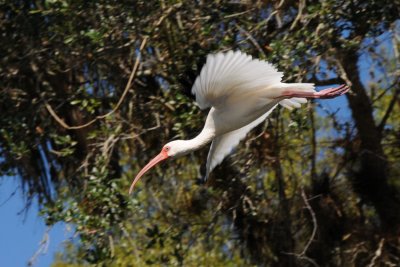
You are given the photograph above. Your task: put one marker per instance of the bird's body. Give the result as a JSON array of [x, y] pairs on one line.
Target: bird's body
[[241, 93]]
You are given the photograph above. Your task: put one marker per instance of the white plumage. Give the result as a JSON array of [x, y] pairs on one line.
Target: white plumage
[[223, 145], [227, 79], [228, 76], [241, 93]]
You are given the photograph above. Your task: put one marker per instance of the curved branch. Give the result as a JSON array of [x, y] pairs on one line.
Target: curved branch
[[128, 85], [388, 111]]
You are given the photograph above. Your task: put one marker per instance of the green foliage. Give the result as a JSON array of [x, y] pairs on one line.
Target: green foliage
[[73, 59]]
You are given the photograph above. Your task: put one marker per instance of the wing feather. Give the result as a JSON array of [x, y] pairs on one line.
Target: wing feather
[[224, 144], [230, 75]]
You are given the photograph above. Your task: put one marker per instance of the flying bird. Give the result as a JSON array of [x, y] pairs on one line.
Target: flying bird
[[241, 92]]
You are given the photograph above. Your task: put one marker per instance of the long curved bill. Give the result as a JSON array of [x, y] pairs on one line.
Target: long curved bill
[[160, 157]]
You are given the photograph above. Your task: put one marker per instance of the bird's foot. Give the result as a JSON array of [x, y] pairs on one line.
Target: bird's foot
[[332, 92], [324, 94]]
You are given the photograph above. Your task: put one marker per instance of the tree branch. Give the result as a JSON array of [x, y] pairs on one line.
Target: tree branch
[[303, 254], [378, 253], [388, 111], [128, 85], [314, 220], [330, 81], [251, 38]]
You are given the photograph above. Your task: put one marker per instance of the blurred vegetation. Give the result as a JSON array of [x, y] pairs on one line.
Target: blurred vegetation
[[306, 188]]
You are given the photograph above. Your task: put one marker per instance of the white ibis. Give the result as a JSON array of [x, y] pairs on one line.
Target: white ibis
[[241, 92]]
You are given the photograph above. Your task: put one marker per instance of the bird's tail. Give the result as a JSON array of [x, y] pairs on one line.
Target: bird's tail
[[295, 102]]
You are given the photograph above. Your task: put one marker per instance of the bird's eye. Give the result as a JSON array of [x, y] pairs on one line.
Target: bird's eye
[[166, 148]]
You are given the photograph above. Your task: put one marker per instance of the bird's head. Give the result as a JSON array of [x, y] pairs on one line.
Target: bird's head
[[170, 150]]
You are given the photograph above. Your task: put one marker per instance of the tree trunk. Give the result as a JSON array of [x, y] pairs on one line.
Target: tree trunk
[[370, 176]]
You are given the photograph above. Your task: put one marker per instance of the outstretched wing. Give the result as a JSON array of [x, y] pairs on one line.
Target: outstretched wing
[[224, 144], [232, 75]]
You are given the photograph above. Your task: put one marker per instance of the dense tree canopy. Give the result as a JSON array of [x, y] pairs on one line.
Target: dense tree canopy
[[90, 90]]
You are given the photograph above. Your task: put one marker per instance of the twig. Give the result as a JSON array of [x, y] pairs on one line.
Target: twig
[[108, 145], [280, 4], [237, 14], [251, 38], [9, 197], [157, 126], [112, 250], [378, 253], [314, 220], [43, 246], [389, 110], [303, 255], [128, 85], [265, 21], [302, 4], [343, 74], [313, 142], [330, 81], [384, 92]]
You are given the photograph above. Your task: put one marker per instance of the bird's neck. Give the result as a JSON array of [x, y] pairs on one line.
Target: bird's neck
[[205, 137]]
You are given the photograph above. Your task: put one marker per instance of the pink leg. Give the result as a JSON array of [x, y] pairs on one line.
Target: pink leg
[[324, 94]]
